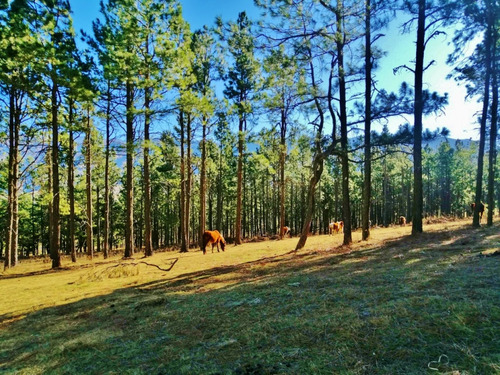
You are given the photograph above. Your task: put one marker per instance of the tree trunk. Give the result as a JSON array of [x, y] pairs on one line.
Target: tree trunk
[[346, 204], [203, 173], [317, 170], [188, 180], [98, 219], [148, 247], [492, 173], [129, 199], [15, 183], [237, 235], [49, 206], [183, 234], [482, 133], [12, 184], [71, 183], [56, 227], [88, 187], [107, 205], [282, 171], [367, 184], [418, 108], [220, 212]]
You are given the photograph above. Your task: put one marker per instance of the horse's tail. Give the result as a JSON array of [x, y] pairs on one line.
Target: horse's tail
[[204, 242]]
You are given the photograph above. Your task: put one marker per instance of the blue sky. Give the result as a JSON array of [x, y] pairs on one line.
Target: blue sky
[[196, 12], [460, 116]]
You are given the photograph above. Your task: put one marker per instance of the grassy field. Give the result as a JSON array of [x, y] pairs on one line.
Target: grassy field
[[393, 305]]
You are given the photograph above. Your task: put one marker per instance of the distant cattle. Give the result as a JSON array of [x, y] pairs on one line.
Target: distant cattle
[[286, 230], [335, 227], [402, 221], [481, 209], [213, 237]]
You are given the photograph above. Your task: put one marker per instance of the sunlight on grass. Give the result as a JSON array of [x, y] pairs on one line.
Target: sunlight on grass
[[36, 286], [390, 305], [490, 250], [412, 261], [355, 260]]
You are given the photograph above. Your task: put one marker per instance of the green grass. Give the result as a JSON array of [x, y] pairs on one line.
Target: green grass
[[396, 306]]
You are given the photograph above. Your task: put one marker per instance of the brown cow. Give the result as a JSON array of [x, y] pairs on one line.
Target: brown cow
[[213, 237], [402, 221], [481, 209]]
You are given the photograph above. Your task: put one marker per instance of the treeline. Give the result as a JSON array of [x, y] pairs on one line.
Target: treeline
[[145, 133]]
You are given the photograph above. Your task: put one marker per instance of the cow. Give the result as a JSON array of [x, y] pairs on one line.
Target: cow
[[286, 230], [402, 221], [481, 209], [213, 237]]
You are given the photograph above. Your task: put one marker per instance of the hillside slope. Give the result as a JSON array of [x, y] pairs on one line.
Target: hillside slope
[[394, 305]]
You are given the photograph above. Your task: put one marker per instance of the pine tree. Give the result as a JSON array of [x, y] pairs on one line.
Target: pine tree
[[284, 85], [117, 38], [241, 83], [206, 62]]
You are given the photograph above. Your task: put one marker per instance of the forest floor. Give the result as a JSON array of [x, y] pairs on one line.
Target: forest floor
[[395, 304]]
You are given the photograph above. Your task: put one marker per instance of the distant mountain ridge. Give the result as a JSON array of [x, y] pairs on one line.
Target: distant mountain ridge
[[436, 142]]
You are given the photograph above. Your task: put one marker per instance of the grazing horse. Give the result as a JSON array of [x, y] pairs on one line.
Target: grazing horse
[[331, 227], [213, 237], [402, 221], [286, 230], [481, 209]]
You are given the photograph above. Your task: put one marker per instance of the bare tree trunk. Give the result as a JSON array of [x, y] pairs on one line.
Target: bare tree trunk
[[88, 186], [417, 142], [148, 247], [482, 133], [316, 175], [129, 199], [56, 227], [49, 206], [239, 205], [492, 172], [183, 228], [71, 183], [188, 179], [107, 205], [15, 183], [282, 171], [98, 218], [346, 204], [367, 183], [218, 219], [203, 172], [11, 183]]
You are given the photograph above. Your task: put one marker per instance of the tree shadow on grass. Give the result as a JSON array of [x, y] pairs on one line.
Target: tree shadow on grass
[[390, 309]]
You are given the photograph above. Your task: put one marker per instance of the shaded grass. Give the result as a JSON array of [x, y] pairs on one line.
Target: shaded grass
[[392, 306]]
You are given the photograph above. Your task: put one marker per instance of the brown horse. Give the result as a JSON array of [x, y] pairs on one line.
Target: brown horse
[[481, 209], [337, 226], [402, 221], [213, 237], [286, 230]]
